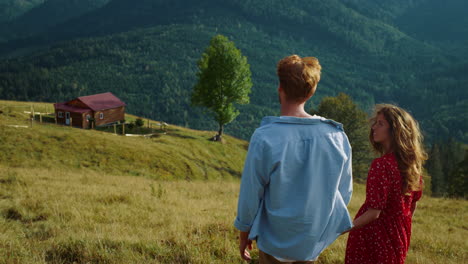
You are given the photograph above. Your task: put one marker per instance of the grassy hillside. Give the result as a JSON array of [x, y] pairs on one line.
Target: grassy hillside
[[71, 195], [179, 154], [62, 216]]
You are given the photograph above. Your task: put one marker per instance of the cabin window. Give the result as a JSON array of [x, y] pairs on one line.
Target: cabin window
[[101, 115], [87, 118], [60, 114]]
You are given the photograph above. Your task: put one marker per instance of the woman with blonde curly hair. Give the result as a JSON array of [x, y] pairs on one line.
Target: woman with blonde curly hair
[[382, 227]]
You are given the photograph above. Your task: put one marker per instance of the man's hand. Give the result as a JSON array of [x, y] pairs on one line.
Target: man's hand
[[244, 243]]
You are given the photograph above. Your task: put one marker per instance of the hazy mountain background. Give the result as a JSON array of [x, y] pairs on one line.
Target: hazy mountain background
[[10, 9], [42, 15], [411, 53]]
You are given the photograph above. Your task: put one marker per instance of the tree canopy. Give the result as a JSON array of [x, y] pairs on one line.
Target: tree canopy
[[224, 79]]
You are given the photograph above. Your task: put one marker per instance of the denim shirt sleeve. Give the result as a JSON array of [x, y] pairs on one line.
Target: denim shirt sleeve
[[253, 182], [345, 186]]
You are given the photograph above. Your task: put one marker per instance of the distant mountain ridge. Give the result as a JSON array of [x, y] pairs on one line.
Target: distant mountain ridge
[[47, 15], [10, 9]]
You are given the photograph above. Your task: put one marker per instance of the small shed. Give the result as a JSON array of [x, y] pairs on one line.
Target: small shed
[[102, 109]]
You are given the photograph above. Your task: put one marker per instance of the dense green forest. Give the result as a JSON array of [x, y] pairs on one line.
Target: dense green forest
[[145, 52], [448, 167]]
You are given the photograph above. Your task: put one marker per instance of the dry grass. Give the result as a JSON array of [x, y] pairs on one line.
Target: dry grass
[[61, 216]]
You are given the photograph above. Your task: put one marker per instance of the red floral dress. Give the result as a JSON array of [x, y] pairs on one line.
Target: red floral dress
[[385, 240]]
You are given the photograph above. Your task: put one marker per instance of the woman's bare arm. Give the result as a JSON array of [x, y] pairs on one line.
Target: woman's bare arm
[[366, 218]]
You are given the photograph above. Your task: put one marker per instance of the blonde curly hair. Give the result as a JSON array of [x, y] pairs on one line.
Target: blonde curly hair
[[407, 144]]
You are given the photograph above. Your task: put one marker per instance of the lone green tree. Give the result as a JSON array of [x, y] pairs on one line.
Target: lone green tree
[[224, 79]]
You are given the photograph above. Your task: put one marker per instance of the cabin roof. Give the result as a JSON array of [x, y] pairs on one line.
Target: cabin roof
[[70, 108], [101, 101]]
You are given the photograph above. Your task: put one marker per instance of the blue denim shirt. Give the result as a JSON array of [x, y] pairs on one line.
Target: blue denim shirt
[[295, 187]]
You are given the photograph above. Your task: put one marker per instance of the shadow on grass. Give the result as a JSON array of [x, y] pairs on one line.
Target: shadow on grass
[[234, 173], [110, 251], [15, 214], [181, 136]]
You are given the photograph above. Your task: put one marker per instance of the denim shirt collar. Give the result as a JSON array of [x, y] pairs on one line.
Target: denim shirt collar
[[300, 120]]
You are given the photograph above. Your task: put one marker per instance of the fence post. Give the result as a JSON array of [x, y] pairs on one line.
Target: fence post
[[71, 121], [115, 128], [123, 129], [40, 117]]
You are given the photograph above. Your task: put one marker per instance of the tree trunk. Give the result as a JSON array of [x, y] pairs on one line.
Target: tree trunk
[[218, 137]]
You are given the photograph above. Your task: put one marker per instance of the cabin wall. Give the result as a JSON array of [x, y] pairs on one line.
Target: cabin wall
[[78, 119], [60, 120], [109, 115], [85, 123]]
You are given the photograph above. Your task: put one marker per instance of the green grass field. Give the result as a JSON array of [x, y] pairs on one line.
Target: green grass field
[[77, 196]]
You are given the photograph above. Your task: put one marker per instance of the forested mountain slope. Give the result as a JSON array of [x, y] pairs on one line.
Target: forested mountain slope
[[146, 53]]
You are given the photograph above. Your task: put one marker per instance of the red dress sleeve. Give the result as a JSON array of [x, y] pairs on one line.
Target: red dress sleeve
[[377, 186]]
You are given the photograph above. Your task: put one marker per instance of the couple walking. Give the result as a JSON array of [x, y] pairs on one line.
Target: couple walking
[[297, 180]]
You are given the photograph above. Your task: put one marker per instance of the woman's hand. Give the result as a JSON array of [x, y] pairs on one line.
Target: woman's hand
[[349, 230], [244, 243], [369, 216]]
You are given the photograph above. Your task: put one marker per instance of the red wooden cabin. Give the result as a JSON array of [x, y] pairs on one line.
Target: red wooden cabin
[[104, 108]]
